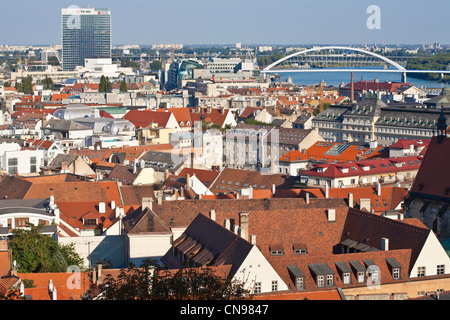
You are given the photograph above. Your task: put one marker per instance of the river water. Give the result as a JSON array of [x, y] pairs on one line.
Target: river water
[[337, 78]]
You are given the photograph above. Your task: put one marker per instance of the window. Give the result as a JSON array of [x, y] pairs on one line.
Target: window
[[441, 269], [374, 275], [275, 285], [329, 280], [421, 272], [257, 287], [33, 164], [277, 252], [396, 274], [300, 283], [360, 276], [300, 251], [346, 278], [89, 222], [21, 222], [12, 166], [320, 281]]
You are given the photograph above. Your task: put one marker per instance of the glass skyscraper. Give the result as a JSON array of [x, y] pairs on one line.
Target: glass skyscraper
[[86, 33]]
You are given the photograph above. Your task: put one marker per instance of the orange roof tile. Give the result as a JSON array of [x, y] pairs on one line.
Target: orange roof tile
[[68, 285]]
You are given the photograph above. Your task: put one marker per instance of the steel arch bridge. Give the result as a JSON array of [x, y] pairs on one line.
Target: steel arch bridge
[[339, 59]]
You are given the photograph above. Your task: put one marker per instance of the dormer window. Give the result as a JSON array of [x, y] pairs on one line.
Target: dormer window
[[394, 267], [323, 274], [89, 222], [276, 250], [300, 248]]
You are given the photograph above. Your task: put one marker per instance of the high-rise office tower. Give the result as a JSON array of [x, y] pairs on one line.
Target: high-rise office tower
[[86, 33]]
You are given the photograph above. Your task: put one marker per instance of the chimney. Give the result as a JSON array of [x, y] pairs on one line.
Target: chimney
[[113, 204], [147, 202], [326, 190], [384, 244], [350, 200], [54, 295], [273, 189], [159, 198], [99, 273], [22, 289], [56, 213], [52, 202], [253, 239], [364, 204], [250, 193], [401, 216], [64, 167], [212, 215], [50, 286], [134, 167], [331, 213], [307, 197], [227, 224], [188, 181], [379, 189], [167, 174], [243, 224], [101, 207]]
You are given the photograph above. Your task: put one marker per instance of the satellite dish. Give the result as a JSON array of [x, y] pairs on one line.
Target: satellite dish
[[47, 132]]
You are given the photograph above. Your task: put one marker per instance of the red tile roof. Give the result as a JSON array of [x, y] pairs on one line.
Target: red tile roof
[[142, 118], [182, 115], [433, 177], [389, 199], [68, 285], [318, 152], [214, 115], [355, 168]]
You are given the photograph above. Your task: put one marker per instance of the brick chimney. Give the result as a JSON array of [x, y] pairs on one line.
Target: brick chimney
[[188, 181]]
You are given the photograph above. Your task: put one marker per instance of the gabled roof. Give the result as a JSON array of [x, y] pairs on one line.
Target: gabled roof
[[229, 180], [40, 291], [182, 115], [367, 228], [355, 168], [142, 118], [42, 187], [208, 243], [389, 199], [433, 177], [213, 115], [207, 177]]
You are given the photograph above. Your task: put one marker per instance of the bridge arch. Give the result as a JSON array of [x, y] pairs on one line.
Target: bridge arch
[[388, 61]]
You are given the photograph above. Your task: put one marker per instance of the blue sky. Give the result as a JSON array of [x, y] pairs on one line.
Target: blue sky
[[231, 21]]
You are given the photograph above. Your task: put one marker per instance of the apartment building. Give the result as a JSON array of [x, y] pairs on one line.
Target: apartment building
[[373, 120]]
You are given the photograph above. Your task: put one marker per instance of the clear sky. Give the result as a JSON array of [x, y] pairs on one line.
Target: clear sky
[[246, 21]]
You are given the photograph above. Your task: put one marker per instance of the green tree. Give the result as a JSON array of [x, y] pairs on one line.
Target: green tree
[[105, 84], [7, 84], [37, 252], [26, 86], [182, 284], [48, 83], [156, 65], [123, 86]]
